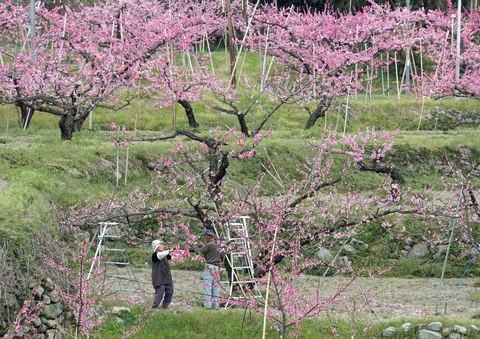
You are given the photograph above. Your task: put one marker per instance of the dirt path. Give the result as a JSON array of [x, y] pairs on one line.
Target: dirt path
[[389, 297]]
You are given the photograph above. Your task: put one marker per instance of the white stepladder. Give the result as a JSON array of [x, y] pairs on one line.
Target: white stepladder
[[238, 255], [114, 259]]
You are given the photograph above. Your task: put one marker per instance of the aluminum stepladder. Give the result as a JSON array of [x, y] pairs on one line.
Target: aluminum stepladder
[[238, 255], [114, 259]]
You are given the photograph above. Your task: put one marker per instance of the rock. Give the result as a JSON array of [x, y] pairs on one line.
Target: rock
[[42, 328], [54, 298], [459, 329], [11, 301], [106, 165], [418, 250], [120, 309], [435, 326], [46, 299], [404, 253], [358, 244], [52, 311], [427, 334], [38, 291], [472, 329], [52, 334], [50, 323], [74, 172], [389, 332], [48, 283], [3, 185], [454, 336], [36, 322], [406, 327], [349, 248], [119, 321], [345, 262], [69, 316], [324, 255], [447, 331]]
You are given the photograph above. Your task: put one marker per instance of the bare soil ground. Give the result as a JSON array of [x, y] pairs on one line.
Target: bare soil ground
[[389, 297]]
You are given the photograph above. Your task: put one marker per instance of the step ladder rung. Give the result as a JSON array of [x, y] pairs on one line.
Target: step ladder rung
[[115, 249], [112, 236], [126, 290], [240, 267], [119, 263], [126, 277], [244, 282]]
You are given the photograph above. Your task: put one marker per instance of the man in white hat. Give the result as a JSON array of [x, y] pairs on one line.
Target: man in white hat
[[161, 277]]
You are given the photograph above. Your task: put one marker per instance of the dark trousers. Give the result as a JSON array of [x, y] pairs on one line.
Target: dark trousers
[[164, 292]]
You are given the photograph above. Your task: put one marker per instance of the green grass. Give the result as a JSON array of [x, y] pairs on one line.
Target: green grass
[[228, 324]]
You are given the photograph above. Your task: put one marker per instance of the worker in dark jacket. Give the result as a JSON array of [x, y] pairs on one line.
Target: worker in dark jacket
[[211, 274], [161, 276]]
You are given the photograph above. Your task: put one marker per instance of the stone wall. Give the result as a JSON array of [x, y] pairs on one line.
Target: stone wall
[[53, 317]]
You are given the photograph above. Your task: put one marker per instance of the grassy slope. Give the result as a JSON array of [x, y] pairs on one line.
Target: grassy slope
[[228, 324]]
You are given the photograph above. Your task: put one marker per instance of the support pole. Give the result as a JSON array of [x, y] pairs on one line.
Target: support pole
[[396, 76], [264, 332], [452, 223], [407, 63], [32, 33], [459, 28]]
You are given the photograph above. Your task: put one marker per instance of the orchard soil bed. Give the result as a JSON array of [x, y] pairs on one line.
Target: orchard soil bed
[[390, 297]]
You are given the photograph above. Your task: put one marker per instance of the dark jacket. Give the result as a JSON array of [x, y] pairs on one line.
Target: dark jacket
[[161, 271]]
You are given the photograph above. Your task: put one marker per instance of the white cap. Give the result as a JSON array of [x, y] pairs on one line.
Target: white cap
[[155, 244]]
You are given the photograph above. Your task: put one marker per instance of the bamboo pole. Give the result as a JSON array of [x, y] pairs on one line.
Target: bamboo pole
[[396, 75], [381, 71], [241, 66], [405, 68], [209, 53], [126, 166], [118, 168], [264, 64], [421, 113], [268, 284], [388, 75], [356, 64], [346, 108], [232, 75]]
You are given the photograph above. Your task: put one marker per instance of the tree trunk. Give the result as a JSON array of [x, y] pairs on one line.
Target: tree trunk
[[78, 123], [67, 126], [26, 114], [243, 124], [318, 113], [322, 107], [189, 112]]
